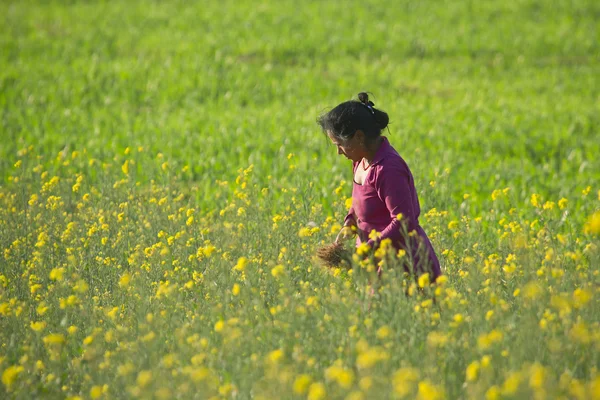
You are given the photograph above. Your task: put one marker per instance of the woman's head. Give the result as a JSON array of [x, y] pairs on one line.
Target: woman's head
[[353, 126]]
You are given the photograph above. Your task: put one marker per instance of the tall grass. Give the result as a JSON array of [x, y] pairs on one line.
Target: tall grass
[[165, 188]]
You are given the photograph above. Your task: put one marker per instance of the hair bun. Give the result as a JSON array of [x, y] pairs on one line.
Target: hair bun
[[382, 119], [364, 98]]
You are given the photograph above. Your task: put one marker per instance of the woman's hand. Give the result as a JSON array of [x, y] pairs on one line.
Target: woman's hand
[[346, 233]]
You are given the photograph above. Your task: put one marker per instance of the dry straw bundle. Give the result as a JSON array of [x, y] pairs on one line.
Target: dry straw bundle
[[334, 255]]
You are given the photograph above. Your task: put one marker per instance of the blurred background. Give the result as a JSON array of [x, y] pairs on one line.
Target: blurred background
[[494, 93]]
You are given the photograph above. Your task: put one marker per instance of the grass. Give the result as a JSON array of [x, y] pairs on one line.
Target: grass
[[162, 107]]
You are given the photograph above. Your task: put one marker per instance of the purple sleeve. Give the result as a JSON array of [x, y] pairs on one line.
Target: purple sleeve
[[394, 188], [350, 217]]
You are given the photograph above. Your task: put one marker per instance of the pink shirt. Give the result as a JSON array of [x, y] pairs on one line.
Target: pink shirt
[[389, 190]]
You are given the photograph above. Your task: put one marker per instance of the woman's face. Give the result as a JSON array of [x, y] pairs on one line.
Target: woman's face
[[352, 148]]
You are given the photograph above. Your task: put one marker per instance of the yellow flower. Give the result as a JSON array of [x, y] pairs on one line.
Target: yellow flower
[[277, 271], [472, 371], [581, 297], [96, 391], [275, 356], [592, 225], [493, 393], [72, 300], [241, 264], [429, 391], [370, 357], [404, 380], [549, 205], [235, 290], [457, 320], [348, 203], [226, 389], [374, 235], [511, 384], [316, 391], [143, 378], [38, 326], [562, 203], [148, 337], [383, 332], [343, 376], [57, 274], [81, 286], [485, 341], [197, 373], [595, 387], [54, 338], [219, 326], [363, 249], [365, 383], [424, 280], [209, 249], [124, 280], [304, 232], [302, 383], [537, 376], [586, 191], [580, 333], [486, 361], [125, 369], [125, 167], [10, 375]]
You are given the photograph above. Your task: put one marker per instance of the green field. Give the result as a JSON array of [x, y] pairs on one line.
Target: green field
[[164, 187]]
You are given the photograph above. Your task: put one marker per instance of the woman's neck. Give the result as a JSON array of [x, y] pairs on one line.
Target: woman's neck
[[372, 149]]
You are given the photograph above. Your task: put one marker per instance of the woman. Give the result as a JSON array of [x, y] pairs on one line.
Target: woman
[[383, 193]]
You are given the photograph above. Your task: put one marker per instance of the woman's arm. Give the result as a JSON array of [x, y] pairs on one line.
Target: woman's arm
[[350, 219], [394, 188]]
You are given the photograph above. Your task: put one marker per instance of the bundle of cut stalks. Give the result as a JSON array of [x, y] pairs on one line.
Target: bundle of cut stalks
[[334, 255]]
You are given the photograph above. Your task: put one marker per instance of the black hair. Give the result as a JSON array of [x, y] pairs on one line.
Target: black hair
[[345, 119]]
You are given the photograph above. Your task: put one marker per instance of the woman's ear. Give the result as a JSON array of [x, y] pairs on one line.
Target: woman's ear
[[360, 137]]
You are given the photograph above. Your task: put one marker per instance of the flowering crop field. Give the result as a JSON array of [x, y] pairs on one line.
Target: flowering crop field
[[164, 189]]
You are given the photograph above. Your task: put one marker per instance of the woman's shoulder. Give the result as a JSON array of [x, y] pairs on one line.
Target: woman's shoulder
[[388, 155], [393, 161], [391, 166]]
